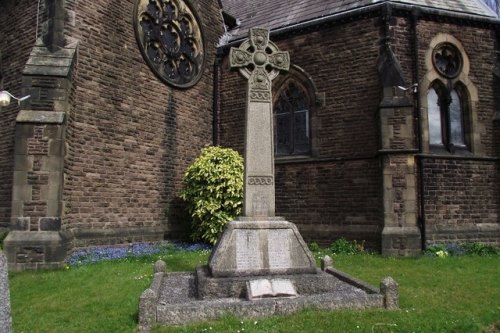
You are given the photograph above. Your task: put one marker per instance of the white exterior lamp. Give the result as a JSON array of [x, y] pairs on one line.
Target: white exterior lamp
[[5, 97]]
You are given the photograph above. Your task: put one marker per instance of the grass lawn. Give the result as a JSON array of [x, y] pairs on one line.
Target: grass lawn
[[453, 294]]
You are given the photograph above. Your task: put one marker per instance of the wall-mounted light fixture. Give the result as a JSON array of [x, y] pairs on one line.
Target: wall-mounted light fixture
[[413, 87], [5, 97]]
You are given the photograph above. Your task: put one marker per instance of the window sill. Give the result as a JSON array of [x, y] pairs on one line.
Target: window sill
[[292, 158], [455, 151]]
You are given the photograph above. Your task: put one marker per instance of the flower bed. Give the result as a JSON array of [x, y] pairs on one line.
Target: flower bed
[[101, 253]]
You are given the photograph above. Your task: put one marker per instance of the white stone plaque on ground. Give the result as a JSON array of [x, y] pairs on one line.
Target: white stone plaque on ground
[[264, 288], [5, 314], [278, 247], [248, 254]]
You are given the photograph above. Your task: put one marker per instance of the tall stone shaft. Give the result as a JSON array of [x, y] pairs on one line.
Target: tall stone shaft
[[259, 61]]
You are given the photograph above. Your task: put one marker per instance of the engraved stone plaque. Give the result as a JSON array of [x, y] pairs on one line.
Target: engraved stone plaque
[[279, 248], [248, 254]]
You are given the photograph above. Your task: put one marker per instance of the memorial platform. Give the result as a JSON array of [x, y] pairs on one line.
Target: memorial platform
[[174, 299]]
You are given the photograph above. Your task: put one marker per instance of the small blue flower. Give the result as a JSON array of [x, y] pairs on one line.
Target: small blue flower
[[102, 253]]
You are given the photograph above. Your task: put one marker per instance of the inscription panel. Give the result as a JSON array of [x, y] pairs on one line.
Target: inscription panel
[[260, 204], [248, 254], [278, 247]]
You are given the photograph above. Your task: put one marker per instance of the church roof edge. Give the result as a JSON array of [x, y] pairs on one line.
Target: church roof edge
[[309, 13]]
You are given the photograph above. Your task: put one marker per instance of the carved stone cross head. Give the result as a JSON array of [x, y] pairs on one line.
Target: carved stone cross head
[[259, 61]]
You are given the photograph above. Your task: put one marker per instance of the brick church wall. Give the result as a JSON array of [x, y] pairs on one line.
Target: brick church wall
[[336, 192], [462, 195], [459, 195], [17, 36], [129, 136]]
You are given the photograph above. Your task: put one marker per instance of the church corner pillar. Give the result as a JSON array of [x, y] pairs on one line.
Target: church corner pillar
[[397, 152], [400, 233], [38, 238]]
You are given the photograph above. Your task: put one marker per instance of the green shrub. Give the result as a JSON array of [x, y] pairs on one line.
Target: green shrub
[[3, 235], [213, 191], [454, 249], [343, 246], [434, 249], [314, 247], [480, 249]]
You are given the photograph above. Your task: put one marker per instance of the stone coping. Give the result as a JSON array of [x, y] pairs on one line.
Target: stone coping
[[40, 117]]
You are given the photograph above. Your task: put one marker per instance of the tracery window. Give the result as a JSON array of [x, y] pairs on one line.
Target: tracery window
[[448, 100], [292, 132], [170, 40]]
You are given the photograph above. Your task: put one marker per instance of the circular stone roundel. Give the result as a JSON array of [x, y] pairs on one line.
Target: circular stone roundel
[[447, 60], [170, 40]]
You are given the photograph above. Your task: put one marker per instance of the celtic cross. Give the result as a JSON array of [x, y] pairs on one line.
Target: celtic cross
[[259, 61]]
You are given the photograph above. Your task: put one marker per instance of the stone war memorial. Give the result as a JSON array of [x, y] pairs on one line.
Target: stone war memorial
[[260, 265]]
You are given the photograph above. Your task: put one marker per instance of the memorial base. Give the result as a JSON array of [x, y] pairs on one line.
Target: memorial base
[[210, 287], [250, 247], [174, 299]]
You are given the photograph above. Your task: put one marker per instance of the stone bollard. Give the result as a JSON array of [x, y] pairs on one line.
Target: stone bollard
[[160, 267], [326, 262], [5, 313], [390, 289], [149, 298], [147, 310]]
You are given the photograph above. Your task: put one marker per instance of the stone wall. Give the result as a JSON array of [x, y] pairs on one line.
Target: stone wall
[[130, 136], [331, 199], [17, 37], [125, 138], [461, 193], [461, 201]]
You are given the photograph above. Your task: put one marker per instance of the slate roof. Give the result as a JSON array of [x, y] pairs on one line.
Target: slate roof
[[275, 14]]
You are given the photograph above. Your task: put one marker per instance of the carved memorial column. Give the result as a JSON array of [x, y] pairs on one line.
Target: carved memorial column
[[258, 242]]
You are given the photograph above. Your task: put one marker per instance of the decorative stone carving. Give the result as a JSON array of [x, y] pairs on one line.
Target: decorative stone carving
[[170, 40], [260, 180], [259, 61], [447, 60]]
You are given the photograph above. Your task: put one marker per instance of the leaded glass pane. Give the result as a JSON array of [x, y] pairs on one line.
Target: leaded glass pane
[[434, 118], [456, 121], [282, 134], [301, 129], [291, 122]]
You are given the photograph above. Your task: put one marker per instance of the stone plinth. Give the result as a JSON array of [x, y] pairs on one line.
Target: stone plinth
[[209, 287], [36, 250], [266, 247], [178, 303]]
